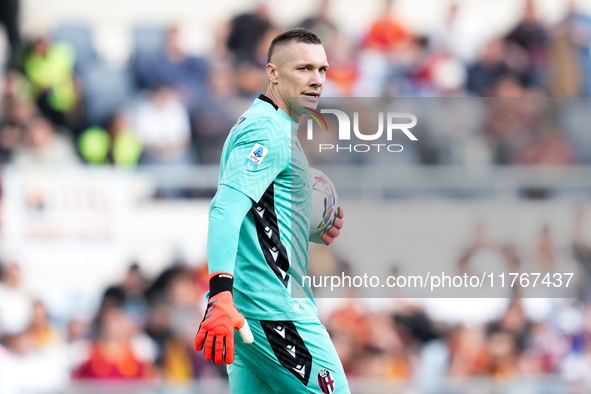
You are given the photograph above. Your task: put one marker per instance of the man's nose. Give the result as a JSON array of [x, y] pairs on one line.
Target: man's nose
[[317, 79]]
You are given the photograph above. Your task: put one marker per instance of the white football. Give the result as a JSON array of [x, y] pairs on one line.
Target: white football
[[324, 201]]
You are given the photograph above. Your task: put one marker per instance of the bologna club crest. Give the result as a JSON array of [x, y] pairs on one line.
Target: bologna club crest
[[325, 381]]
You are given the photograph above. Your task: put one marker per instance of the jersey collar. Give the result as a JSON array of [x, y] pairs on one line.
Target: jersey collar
[[268, 100]]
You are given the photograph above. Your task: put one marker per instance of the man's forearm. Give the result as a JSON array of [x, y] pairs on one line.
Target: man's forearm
[[225, 221]]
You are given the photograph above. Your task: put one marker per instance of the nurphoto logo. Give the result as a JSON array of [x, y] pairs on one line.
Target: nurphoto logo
[[395, 122]]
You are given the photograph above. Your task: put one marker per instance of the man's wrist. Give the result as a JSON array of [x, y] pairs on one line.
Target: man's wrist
[[219, 282]]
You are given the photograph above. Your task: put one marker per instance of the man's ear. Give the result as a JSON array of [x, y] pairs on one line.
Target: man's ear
[[272, 73]]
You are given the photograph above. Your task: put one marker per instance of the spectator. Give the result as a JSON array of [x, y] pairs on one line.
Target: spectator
[[515, 323], [508, 86], [157, 327], [24, 353], [161, 123], [340, 50], [223, 108], [249, 79], [115, 144], [16, 304], [16, 89], [566, 72], [575, 364], [171, 322], [246, 35], [570, 60], [44, 147], [10, 137], [50, 68], [181, 362], [343, 67], [16, 109], [425, 343], [383, 56], [387, 33], [448, 76], [321, 24], [181, 294], [351, 325], [49, 367], [12, 128], [547, 146], [530, 39], [503, 354], [44, 333], [460, 35], [508, 122], [130, 295], [112, 355], [175, 68], [470, 354], [490, 66]]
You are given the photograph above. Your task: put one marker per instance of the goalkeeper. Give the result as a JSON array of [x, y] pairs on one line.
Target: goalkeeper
[[258, 237]]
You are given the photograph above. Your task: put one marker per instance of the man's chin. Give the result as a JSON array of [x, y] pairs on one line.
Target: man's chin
[[300, 103]]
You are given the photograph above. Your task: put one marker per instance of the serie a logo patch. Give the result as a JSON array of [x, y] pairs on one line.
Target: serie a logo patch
[[256, 156], [325, 381]]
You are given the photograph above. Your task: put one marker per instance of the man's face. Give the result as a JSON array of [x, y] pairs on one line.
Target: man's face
[[300, 71]]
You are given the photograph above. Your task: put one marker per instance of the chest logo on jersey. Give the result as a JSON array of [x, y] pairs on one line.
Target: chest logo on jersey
[[256, 156]]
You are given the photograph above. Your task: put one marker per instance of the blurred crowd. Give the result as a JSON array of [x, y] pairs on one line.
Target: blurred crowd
[[143, 328], [64, 103], [440, 345]]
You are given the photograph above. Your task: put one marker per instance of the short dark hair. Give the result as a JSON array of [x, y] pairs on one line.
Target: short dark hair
[[298, 34]]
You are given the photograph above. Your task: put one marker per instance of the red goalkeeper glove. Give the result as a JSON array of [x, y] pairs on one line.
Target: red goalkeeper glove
[[334, 229], [216, 331]]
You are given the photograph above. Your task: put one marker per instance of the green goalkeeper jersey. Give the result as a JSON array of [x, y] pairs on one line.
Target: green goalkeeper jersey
[[263, 159]]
